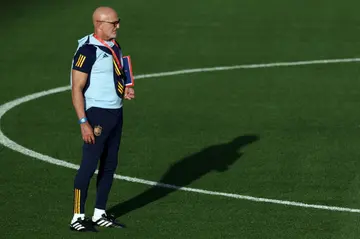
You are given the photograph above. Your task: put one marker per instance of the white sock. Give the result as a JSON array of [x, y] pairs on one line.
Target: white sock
[[98, 214], [76, 216]]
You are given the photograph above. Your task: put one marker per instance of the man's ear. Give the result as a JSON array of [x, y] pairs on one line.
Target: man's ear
[[98, 24]]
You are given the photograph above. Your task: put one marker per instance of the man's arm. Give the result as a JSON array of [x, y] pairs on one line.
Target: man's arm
[[82, 65], [78, 83]]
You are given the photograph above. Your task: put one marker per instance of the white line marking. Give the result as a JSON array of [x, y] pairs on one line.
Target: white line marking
[[16, 147], [250, 66]]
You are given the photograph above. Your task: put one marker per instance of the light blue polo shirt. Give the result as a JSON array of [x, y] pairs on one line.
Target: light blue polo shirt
[[95, 59]]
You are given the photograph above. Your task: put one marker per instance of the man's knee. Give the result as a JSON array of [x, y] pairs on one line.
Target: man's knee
[[89, 162], [110, 164]]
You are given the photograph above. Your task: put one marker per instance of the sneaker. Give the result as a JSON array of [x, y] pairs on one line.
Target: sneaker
[[82, 225], [108, 221]]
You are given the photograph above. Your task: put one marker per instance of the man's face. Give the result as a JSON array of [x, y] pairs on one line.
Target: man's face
[[110, 25]]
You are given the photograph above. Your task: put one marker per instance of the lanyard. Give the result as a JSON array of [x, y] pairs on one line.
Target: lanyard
[[112, 51]]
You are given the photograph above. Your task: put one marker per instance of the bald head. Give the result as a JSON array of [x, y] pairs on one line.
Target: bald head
[[103, 14], [106, 22]]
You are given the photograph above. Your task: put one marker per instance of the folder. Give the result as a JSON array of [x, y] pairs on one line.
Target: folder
[[127, 67]]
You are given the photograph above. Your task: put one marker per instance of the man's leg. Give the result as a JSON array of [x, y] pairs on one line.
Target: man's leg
[[108, 164], [91, 155]]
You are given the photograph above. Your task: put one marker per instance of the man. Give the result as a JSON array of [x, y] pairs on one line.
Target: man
[[98, 89]]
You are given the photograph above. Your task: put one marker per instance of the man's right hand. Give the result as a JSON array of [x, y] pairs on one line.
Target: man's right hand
[[87, 133]]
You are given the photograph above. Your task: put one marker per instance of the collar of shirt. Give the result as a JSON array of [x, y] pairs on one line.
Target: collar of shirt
[[95, 41]]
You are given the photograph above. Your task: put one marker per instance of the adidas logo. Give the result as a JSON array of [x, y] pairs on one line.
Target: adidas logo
[[105, 55]]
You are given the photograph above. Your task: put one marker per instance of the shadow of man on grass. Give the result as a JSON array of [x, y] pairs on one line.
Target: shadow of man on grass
[[185, 171]]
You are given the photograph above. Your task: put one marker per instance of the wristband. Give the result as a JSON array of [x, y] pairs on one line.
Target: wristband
[[82, 120]]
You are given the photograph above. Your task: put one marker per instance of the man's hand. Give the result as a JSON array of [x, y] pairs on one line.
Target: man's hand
[[129, 93], [87, 133]]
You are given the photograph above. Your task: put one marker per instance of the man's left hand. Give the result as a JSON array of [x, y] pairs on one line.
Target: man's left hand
[[129, 93]]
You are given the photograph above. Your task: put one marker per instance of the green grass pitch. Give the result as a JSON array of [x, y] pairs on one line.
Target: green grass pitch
[[297, 127]]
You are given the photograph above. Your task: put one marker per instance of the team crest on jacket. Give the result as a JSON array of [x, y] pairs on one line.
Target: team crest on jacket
[[97, 130]]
